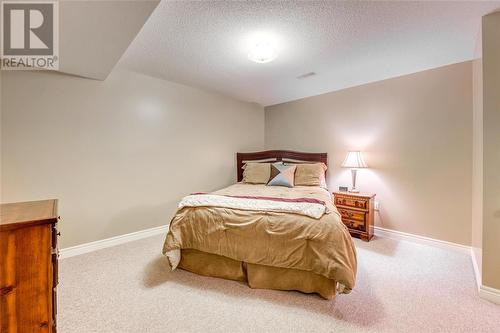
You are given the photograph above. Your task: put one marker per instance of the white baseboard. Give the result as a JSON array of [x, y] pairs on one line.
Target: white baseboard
[[109, 242], [489, 294], [485, 292], [477, 271], [399, 235]]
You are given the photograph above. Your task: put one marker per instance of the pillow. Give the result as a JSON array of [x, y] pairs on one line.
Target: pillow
[[256, 173], [310, 174], [276, 170], [285, 175]]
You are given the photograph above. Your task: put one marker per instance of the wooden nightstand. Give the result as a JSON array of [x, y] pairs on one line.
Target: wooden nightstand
[[356, 210]]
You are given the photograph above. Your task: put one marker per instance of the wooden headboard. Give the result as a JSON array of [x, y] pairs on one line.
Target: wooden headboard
[[278, 155]]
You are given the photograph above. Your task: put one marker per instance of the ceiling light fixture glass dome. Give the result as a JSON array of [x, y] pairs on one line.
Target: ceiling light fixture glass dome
[[262, 52]]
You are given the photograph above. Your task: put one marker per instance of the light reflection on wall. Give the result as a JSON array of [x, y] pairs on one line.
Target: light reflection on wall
[[150, 109]]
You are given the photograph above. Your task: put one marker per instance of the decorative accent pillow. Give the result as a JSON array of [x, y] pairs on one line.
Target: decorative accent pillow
[[310, 174], [285, 175], [256, 173], [276, 170]]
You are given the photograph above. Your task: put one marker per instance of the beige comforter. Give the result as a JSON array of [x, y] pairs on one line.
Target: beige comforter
[[277, 239]]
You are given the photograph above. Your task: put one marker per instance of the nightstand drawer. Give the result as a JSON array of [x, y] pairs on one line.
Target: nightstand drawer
[[352, 214], [357, 225], [351, 202]]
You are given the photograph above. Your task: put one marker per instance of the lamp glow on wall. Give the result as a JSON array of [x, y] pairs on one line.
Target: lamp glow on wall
[[354, 161]]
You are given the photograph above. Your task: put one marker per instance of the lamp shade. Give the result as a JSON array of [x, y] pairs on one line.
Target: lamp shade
[[354, 159]]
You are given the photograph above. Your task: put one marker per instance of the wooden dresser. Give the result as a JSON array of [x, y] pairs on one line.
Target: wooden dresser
[[28, 266], [356, 210]]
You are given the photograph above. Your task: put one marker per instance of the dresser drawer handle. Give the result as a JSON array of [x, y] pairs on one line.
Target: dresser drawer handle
[[346, 213]]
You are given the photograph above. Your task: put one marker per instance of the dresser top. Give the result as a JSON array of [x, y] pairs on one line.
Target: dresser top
[[21, 214], [354, 194]]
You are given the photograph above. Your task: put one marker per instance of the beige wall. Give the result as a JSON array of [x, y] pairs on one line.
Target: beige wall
[[416, 135], [477, 160], [491, 150], [119, 153]]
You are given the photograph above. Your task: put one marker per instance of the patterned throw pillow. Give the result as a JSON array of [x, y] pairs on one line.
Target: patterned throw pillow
[[276, 170], [285, 175]]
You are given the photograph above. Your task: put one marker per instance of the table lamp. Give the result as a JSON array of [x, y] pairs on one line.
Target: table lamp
[[354, 160]]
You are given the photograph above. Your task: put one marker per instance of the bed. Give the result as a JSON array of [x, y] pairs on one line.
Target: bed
[[270, 237]]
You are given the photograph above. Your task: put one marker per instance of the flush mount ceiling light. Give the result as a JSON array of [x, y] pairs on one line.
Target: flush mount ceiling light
[[262, 51], [261, 46]]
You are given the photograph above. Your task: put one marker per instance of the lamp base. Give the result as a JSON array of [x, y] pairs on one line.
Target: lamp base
[[354, 189]]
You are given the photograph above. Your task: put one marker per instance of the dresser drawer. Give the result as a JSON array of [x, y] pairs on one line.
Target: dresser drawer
[[351, 202], [356, 225], [352, 214]]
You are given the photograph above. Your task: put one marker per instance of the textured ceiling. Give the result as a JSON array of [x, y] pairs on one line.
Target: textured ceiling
[[345, 43]]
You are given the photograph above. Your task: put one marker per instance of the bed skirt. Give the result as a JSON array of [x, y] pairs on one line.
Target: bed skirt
[[257, 276]]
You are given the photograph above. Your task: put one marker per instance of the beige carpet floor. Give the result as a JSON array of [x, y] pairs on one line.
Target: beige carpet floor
[[401, 287]]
